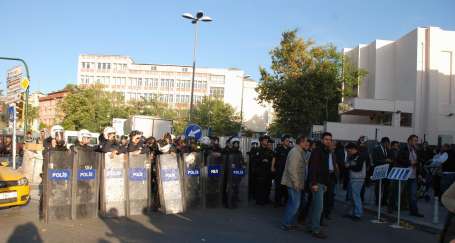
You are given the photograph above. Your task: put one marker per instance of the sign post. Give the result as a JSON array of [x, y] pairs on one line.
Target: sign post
[[12, 118], [379, 173], [399, 174]]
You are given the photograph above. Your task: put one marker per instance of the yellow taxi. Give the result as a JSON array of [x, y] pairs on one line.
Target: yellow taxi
[[14, 188]]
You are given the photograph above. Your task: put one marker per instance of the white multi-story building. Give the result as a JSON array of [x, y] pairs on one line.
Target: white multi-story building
[[409, 89], [171, 84]]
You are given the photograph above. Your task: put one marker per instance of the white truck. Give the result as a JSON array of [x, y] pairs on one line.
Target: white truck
[[149, 125]]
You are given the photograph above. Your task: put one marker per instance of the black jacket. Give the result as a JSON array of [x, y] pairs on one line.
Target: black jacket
[[318, 167], [380, 155]]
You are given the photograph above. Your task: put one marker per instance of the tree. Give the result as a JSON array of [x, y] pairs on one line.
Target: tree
[[304, 84], [217, 115], [33, 114], [91, 108]]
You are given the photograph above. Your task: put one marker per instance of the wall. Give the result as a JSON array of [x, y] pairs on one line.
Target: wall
[[351, 132]]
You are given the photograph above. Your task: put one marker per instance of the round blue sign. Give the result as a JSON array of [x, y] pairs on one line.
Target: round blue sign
[[193, 130]]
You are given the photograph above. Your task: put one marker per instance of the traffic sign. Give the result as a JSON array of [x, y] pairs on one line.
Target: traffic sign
[[398, 173], [25, 83], [193, 130], [11, 112], [380, 172]]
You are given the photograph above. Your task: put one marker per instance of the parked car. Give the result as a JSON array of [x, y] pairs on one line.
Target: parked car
[[14, 187]]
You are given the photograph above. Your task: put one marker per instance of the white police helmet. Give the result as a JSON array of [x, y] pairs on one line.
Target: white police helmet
[[107, 131], [205, 140], [56, 129], [84, 133], [235, 139]]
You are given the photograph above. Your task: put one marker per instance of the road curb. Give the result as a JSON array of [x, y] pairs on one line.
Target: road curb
[[430, 228]]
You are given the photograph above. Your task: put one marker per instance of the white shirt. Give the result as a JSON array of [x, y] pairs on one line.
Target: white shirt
[[331, 163]]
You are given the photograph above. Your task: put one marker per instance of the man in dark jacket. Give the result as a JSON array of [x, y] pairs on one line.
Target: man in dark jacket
[[408, 158], [281, 153], [381, 157], [356, 165], [319, 179]]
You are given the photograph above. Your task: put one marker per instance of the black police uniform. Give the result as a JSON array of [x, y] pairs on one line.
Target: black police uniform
[[281, 154], [263, 162]]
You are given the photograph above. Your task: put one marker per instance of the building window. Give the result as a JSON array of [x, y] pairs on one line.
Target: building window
[[185, 70], [217, 92], [99, 65], [153, 68], [406, 120]]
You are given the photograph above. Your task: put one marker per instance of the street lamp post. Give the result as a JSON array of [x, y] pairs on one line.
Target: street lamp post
[[195, 20], [241, 103]]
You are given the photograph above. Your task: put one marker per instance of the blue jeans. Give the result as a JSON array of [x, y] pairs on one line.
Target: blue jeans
[[412, 194], [317, 207], [292, 207], [446, 181], [356, 188]]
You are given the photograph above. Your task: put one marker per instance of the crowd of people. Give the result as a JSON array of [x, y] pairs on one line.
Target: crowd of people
[[306, 176], [303, 177]]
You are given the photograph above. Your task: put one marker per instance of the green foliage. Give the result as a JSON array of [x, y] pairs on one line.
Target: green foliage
[[91, 108], [42, 126], [304, 84], [217, 115], [33, 113]]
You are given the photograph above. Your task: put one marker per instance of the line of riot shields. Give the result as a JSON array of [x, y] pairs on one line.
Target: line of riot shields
[[85, 184]]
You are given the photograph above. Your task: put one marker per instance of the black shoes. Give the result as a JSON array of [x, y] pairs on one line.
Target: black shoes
[[319, 235], [417, 214]]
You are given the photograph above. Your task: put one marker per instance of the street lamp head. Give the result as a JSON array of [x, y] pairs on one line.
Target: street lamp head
[[206, 19], [188, 16], [199, 14]]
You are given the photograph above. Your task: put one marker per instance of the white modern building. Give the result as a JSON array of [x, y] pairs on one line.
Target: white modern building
[[171, 84], [409, 89]]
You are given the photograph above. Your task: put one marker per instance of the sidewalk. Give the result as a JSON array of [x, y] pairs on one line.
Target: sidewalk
[[425, 208]]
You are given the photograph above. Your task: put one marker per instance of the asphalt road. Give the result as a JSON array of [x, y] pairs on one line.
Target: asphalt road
[[252, 224]]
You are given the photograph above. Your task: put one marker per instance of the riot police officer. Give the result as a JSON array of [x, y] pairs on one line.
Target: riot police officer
[[262, 171], [56, 140], [136, 145], [108, 143], [234, 171], [83, 140]]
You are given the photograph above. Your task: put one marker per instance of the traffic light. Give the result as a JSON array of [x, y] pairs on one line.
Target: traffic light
[[20, 108]]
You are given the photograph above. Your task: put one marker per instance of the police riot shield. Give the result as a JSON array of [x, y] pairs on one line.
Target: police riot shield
[[85, 183], [213, 180], [138, 186], [192, 183], [236, 185], [32, 166], [113, 181], [170, 184], [57, 185]]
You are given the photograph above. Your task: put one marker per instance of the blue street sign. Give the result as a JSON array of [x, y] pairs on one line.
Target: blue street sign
[[398, 173], [11, 112], [193, 130]]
